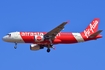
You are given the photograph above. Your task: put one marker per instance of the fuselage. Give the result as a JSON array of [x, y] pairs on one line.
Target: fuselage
[[37, 38]]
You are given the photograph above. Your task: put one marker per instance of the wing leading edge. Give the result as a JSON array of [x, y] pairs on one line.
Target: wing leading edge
[[51, 34]]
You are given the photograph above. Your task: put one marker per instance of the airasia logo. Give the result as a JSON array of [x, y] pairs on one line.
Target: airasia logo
[[38, 38], [92, 28]]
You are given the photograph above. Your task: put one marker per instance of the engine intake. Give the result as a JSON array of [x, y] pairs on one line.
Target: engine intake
[[34, 47]]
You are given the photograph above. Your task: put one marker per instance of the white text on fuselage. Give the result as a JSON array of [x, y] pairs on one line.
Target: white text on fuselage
[[34, 33]]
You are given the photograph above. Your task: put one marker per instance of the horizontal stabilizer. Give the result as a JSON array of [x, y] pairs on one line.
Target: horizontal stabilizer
[[95, 34]]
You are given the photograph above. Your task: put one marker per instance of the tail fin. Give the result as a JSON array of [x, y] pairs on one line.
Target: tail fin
[[92, 28]]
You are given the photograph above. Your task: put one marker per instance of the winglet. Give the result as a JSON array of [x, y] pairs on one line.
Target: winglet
[[68, 21]]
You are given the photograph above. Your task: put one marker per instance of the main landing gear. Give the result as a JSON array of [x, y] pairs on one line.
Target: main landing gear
[[51, 43], [48, 49], [15, 46]]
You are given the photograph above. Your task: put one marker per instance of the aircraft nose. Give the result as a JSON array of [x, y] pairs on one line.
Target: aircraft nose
[[4, 38]]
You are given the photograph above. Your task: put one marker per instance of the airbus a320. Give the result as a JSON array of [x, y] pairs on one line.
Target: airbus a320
[[40, 40]]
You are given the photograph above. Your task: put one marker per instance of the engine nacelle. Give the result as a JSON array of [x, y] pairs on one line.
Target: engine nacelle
[[39, 38], [34, 47]]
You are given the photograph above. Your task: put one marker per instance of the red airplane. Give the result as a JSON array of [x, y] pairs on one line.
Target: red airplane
[[39, 40]]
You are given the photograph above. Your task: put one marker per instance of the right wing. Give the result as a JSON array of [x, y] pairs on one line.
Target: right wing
[[51, 34]]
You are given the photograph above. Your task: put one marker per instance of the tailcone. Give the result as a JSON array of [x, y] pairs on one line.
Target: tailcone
[[99, 36]]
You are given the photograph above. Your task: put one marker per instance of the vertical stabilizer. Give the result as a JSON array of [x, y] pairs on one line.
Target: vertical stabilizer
[[92, 27]]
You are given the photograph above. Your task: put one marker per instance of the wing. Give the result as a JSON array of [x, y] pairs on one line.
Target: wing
[[51, 34]]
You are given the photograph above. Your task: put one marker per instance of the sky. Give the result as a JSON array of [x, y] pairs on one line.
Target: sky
[[44, 15]]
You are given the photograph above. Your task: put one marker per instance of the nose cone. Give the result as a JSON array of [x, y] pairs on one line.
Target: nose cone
[[4, 38]]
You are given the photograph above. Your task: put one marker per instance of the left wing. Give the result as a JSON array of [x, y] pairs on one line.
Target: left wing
[[51, 34]]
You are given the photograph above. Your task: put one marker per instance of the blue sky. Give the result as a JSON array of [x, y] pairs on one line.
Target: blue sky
[[44, 15]]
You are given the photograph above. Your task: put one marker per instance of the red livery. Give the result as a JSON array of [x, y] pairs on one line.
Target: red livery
[[39, 40]]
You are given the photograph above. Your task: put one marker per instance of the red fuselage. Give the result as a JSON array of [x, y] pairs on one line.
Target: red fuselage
[[61, 38]]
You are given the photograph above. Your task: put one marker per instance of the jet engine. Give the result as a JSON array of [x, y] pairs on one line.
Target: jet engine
[[34, 47]]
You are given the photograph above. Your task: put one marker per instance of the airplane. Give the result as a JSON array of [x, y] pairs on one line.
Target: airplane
[[40, 40]]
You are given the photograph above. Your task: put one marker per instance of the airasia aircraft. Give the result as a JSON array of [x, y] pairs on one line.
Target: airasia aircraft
[[39, 40]]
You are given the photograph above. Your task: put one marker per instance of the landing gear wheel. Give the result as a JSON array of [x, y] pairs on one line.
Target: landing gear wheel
[[15, 47], [48, 50]]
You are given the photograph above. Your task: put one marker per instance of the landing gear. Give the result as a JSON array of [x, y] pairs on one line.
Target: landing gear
[[48, 50], [51, 42], [15, 46]]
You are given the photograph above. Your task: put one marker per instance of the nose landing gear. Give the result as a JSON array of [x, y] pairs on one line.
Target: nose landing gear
[[15, 47]]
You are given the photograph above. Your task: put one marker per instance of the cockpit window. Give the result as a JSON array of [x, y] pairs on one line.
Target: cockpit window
[[9, 35]]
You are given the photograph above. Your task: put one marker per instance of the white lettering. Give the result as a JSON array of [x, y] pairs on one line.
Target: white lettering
[[87, 33], [31, 34], [28, 34], [34, 33], [91, 29], [23, 34]]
